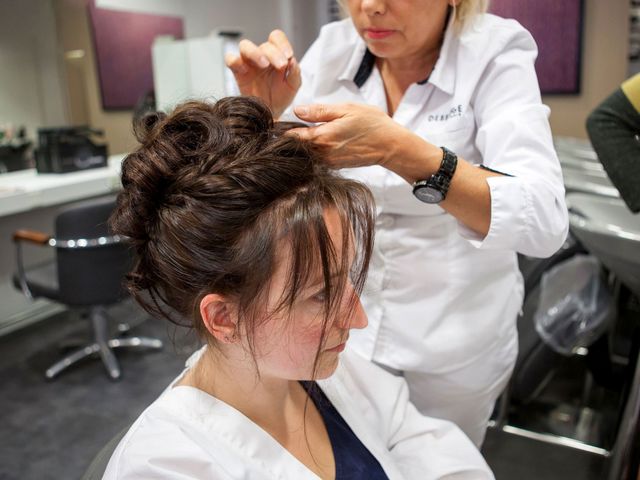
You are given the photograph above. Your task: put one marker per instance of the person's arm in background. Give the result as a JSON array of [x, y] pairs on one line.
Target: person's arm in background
[[614, 130]]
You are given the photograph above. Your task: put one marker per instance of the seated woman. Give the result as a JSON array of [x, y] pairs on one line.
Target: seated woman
[[240, 229]]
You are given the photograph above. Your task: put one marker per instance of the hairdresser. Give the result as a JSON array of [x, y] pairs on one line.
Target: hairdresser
[[435, 105]]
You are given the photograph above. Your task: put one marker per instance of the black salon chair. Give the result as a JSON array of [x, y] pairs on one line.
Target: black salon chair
[[97, 467], [536, 361], [87, 274]]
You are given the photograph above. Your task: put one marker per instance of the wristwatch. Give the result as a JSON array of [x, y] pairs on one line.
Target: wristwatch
[[434, 190]]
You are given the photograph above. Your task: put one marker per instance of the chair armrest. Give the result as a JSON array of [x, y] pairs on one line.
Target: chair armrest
[[31, 236]]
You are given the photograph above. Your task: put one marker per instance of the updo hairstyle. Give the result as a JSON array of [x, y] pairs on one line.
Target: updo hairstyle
[[215, 194]]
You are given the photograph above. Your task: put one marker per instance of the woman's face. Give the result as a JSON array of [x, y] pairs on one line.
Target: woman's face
[[394, 29], [286, 344]]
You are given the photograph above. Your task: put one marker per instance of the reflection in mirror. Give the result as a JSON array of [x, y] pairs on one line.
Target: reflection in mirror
[[31, 87]]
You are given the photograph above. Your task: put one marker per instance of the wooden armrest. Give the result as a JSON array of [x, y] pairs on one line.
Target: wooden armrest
[[31, 236]]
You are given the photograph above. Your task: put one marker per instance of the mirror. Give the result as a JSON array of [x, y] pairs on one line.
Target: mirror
[[49, 69]]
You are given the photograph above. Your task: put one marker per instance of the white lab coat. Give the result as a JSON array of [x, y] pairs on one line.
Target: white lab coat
[[441, 301], [188, 434]]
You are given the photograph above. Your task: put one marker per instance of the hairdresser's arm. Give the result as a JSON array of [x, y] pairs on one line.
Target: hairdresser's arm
[[269, 71], [359, 135]]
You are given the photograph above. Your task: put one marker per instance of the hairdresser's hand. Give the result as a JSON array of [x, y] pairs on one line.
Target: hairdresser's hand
[[269, 71], [353, 135]]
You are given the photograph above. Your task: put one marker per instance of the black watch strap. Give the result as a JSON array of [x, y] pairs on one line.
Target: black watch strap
[[441, 180], [448, 164]]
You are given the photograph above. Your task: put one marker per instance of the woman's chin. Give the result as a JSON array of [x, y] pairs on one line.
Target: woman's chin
[[327, 369], [381, 50]]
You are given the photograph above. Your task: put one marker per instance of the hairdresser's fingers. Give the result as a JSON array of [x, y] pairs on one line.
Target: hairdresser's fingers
[[325, 135], [244, 73], [250, 53], [320, 112], [293, 74], [275, 56], [280, 40], [236, 64], [303, 133]]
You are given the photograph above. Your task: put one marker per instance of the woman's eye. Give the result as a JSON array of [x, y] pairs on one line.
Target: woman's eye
[[319, 297]]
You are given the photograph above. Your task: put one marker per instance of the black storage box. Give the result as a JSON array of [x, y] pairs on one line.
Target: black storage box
[[14, 156], [69, 149]]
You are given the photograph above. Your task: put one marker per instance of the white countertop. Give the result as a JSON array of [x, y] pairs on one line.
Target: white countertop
[[27, 189]]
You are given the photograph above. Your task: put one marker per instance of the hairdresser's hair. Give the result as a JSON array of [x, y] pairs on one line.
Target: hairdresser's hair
[[467, 10], [213, 196]]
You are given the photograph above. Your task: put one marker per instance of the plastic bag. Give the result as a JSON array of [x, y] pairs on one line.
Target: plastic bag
[[575, 305]]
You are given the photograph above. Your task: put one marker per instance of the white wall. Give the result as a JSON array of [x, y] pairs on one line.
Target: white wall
[[31, 92], [305, 24], [200, 17], [301, 21], [604, 65], [254, 17], [32, 84], [157, 7]]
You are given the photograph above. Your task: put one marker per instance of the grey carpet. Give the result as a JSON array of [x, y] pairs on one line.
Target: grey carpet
[[52, 429]]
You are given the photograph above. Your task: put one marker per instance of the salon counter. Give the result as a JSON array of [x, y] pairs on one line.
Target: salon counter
[[26, 190]]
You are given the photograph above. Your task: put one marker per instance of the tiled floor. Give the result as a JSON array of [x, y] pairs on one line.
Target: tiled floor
[[52, 430]]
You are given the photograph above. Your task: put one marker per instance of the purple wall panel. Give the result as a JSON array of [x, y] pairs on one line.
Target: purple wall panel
[[556, 26], [122, 42]]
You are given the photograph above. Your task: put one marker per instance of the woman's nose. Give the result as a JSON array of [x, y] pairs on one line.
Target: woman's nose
[[374, 7], [358, 317], [352, 314]]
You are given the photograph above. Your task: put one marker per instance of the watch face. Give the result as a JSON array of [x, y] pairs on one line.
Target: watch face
[[428, 194]]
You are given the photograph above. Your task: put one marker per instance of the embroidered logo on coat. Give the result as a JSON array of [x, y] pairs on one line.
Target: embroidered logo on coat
[[454, 112]]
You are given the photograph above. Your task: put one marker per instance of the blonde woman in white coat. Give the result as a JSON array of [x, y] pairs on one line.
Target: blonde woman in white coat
[[388, 87], [242, 231]]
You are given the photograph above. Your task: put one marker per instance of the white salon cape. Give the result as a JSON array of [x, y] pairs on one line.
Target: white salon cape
[[188, 434], [441, 300]]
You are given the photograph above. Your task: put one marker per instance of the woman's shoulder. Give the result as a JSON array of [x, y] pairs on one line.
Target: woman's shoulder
[[488, 23], [169, 431], [490, 33]]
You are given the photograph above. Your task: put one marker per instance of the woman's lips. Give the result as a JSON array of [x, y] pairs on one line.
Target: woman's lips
[[377, 34]]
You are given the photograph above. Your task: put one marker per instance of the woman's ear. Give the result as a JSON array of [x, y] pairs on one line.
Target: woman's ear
[[219, 318]]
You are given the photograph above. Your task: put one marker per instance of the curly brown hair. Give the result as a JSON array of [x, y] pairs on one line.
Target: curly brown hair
[[214, 192]]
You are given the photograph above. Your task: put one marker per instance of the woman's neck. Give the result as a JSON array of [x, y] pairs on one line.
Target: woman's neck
[[237, 384], [399, 74], [410, 69]]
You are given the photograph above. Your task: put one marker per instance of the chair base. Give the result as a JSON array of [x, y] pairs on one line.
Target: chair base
[[104, 346]]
